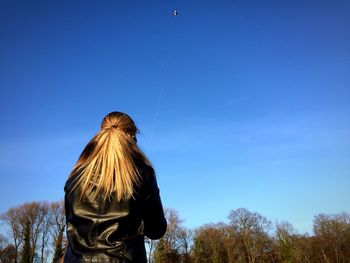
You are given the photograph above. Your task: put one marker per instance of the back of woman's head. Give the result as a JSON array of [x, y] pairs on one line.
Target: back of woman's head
[[120, 121], [107, 164]]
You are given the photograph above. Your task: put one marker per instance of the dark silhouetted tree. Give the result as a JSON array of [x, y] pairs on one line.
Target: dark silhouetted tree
[[58, 225], [8, 254], [11, 218], [252, 230]]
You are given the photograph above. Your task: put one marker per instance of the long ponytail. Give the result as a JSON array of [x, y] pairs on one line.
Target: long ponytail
[[106, 165]]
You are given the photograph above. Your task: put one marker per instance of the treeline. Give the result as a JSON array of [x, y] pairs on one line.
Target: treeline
[[251, 238], [37, 234]]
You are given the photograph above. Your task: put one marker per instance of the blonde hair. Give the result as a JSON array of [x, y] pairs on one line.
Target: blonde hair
[[107, 163]]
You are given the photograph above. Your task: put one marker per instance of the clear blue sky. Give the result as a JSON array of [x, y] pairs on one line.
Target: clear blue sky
[[239, 103]]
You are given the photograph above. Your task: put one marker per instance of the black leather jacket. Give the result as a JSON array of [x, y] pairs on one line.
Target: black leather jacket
[[112, 231]]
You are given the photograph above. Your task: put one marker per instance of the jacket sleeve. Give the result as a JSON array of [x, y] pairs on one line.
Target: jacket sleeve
[[154, 220]]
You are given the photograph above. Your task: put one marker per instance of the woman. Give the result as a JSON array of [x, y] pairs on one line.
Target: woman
[[111, 198]]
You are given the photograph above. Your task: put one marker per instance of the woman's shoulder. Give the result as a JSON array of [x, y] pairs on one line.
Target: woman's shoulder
[[147, 177], [144, 168], [148, 170]]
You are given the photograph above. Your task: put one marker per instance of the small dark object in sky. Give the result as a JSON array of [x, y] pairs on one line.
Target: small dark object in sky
[[175, 13]]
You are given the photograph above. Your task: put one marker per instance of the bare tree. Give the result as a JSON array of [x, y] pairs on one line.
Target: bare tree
[[231, 243], [252, 229], [8, 254], [31, 217], [185, 237], [284, 241], [36, 214], [11, 217], [332, 233], [44, 229], [58, 226], [31, 225], [303, 249], [3, 241], [150, 245], [173, 230], [170, 247], [209, 244]]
